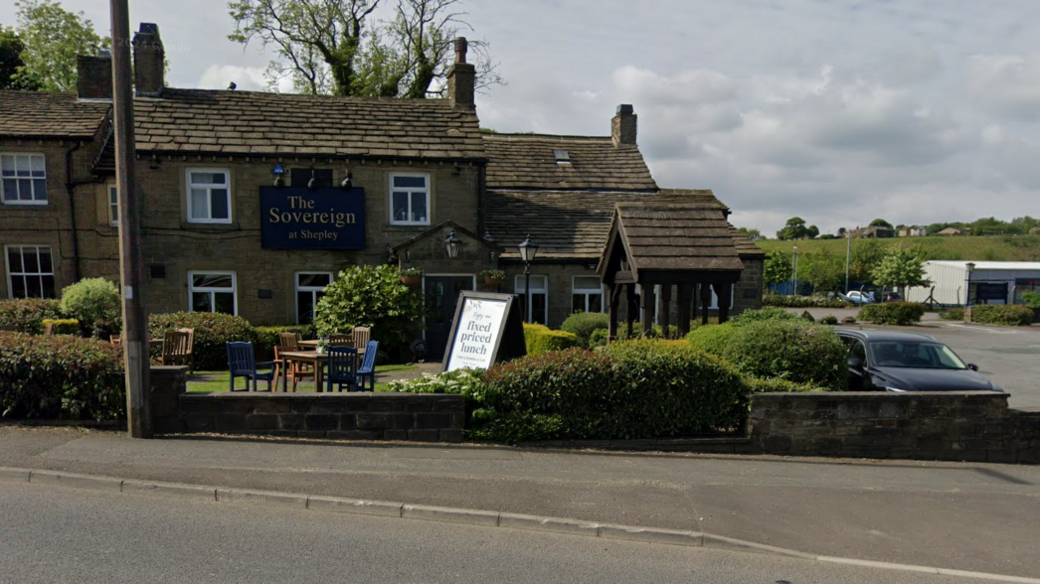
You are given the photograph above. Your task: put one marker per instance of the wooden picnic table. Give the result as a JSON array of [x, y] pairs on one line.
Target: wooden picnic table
[[312, 358], [313, 344]]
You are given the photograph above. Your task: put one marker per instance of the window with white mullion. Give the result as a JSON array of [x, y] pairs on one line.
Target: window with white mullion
[[208, 195], [409, 199], [538, 311], [586, 294], [30, 271], [23, 179], [310, 288], [113, 205], [212, 292]]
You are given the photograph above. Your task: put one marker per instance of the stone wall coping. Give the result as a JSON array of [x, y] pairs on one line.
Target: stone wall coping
[[164, 368], [877, 395], [353, 396]]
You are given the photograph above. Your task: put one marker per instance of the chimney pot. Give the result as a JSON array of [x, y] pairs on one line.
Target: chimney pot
[[461, 47], [149, 61], [462, 78], [623, 126], [94, 76]]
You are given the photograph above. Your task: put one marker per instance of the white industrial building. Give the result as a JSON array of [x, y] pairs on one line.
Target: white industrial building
[[967, 283]]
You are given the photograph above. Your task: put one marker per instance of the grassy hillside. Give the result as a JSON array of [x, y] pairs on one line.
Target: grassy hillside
[[995, 248]]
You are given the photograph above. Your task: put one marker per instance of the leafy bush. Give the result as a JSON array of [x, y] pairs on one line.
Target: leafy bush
[[777, 385], [794, 350], [1031, 298], [767, 313], [60, 377], [25, 315], [96, 303], [806, 315], [62, 326], [469, 383], [849, 320], [714, 339], [952, 314], [583, 324], [829, 319], [1002, 314], [897, 313], [598, 338], [541, 339], [370, 296], [212, 331], [802, 301], [267, 336]]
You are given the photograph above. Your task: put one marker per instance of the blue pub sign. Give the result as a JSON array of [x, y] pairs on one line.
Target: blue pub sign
[[303, 218]]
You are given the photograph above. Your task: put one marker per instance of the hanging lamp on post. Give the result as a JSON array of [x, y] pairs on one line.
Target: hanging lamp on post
[[527, 252], [451, 244]]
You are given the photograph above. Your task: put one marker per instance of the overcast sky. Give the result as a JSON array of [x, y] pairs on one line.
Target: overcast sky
[[837, 111]]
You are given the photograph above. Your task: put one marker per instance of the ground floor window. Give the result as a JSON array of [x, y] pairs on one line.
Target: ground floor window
[[310, 287], [586, 294], [538, 311], [30, 271], [212, 292]]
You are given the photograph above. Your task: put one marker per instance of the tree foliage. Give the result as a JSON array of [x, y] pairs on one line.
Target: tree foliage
[[752, 234], [823, 269], [899, 268], [795, 229], [370, 296], [777, 268], [52, 39], [866, 255], [11, 49], [340, 47], [881, 223]]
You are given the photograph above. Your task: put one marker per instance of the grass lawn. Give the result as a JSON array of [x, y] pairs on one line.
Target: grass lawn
[[1006, 248], [217, 381]]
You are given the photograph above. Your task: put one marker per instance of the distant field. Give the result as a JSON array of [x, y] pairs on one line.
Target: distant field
[[995, 248]]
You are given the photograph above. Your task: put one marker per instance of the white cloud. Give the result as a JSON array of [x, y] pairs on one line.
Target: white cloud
[[1007, 85]]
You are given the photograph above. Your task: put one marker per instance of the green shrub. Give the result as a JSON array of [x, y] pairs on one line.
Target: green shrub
[[60, 377], [829, 319], [541, 339], [794, 350], [267, 336], [1031, 298], [766, 313], [714, 339], [815, 301], [896, 313], [583, 324], [849, 320], [1002, 314], [469, 383], [96, 303], [777, 385], [25, 315], [212, 331], [62, 326], [371, 296], [598, 338], [952, 314]]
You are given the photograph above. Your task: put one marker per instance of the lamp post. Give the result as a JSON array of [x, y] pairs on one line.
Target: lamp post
[[451, 244], [969, 268], [527, 252], [848, 256], [794, 265]]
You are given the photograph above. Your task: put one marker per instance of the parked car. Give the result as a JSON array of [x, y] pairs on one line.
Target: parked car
[[891, 361], [892, 296], [858, 298]]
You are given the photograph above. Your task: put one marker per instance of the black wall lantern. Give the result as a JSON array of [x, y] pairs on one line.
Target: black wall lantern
[[279, 175], [451, 244]]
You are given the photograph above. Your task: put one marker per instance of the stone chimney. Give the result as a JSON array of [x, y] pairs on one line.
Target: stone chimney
[[462, 78], [94, 76], [623, 126], [149, 61]]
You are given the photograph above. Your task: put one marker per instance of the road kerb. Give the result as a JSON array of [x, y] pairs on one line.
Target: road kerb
[[650, 535], [14, 475], [554, 524], [450, 514], [357, 506], [985, 576], [171, 489], [80, 481], [739, 545], [270, 498], [929, 570]]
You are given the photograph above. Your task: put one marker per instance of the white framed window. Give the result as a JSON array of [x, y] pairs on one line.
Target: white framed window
[[538, 311], [409, 198], [586, 294], [30, 271], [24, 179], [113, 205], [209, 195], [310, 287], [212, 292]]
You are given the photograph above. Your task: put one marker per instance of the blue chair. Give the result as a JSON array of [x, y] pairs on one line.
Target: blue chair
[[368, 367], [241, 363], [343, 368]]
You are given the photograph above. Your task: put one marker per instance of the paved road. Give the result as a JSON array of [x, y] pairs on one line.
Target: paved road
[[1008, 355], [53, 535], [977, 517]]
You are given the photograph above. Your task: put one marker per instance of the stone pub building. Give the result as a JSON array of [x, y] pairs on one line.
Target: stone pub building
[[252, 202]]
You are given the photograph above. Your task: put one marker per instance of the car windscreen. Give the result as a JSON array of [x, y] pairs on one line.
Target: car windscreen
[[917, 354]]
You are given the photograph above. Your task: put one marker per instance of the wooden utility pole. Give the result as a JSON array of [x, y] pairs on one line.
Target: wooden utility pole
[[135, 325]]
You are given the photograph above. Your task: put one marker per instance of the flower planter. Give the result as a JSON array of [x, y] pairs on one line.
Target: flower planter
[[491, 281], [410, 279]]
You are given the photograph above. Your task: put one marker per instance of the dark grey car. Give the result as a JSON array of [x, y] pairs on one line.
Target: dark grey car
[[895, 361]]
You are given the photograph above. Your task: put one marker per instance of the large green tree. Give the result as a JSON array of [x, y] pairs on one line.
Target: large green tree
[[340, 47], [824, 269], [795, 229], [52, 38], [866, 255], [777, 268], [11, 49], [901, 267]]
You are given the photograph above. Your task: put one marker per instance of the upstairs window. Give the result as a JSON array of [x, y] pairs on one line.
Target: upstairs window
[[24, 179], [409, 199], [30, 271], [209, 196]]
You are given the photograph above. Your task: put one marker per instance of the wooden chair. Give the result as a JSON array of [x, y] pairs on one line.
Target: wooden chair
[[367, 370], [176, 349], [361, 335], [116, 340], [295, 371], [191, 347], [342, 368], [340, 340], [289, 341], [242, 363]]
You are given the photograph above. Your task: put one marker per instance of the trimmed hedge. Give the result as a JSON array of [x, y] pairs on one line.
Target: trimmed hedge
[[896, 313], [25, 315], [715, 338], [802, 301], [766, 313], [62, 326], [541, 339], [955, 313], [1002, 314], [583, 324], [60, 377], [777, 385], [212, 331], [267, 336]]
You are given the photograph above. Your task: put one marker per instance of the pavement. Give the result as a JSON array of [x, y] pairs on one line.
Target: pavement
[[974, 517]]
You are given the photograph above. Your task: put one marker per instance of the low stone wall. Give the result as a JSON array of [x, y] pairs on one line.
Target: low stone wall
[[353, 416], [966, 426]]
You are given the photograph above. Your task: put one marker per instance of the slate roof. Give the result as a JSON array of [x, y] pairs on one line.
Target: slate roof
[[527, 161], [34, 114], [575, 225], [244, 122], [676, 237]]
